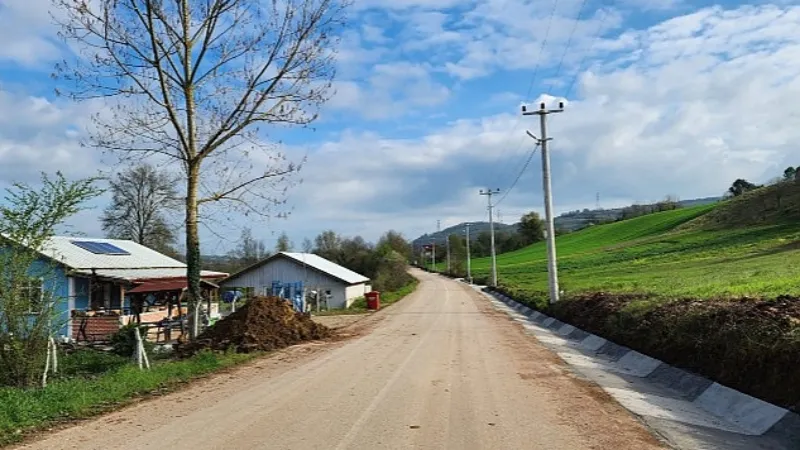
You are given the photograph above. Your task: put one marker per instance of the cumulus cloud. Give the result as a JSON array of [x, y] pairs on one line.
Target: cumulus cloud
[[680, 107]]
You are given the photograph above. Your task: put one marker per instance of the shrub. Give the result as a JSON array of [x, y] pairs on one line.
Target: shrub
[[124, 340]]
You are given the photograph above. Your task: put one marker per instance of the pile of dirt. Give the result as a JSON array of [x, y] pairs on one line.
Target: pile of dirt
[[262, 324], [752, 345]]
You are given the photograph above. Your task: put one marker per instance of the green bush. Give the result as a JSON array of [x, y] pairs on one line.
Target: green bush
[[124, 340]]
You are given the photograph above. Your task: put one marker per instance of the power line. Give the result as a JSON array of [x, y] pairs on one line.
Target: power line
[[566, 47], [586, 55], [519, 175], [533, 81]]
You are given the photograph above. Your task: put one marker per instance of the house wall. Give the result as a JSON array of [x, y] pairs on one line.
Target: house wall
[[355, 291], [287, 271], [56, 286]]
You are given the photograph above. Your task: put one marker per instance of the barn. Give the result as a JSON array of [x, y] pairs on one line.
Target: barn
[[339, 285]]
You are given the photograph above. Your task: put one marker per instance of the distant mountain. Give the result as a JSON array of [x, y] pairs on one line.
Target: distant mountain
[[570, 221], [475, 228]]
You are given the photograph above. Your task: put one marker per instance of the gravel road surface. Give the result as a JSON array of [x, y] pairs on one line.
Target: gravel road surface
[[439, 370]]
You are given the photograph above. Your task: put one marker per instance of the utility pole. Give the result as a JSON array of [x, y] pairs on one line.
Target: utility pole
[[469, 261], [489, 193], [448, 252], [552, 268], [433, 255]]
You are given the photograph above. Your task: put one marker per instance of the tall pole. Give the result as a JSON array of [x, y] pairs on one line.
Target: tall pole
[[488, 193], [433, 255], [552, 268], [469, 260], [448, 253]]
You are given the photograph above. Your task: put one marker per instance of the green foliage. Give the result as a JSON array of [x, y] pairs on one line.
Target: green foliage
[[394, 240], [740, 186], [531, 227], [78, 398], [87, 363], [28, 218], [123, 341], [392, 273]]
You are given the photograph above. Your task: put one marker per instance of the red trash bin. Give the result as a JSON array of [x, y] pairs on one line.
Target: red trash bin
[[373, 300]]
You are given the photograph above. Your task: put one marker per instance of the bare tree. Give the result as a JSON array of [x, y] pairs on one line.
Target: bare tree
[[250, 249], [284, 244], [142, 196], [308, 246], [194, 80]]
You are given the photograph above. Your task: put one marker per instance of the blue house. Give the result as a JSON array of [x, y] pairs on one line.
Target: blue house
[[101, 284]]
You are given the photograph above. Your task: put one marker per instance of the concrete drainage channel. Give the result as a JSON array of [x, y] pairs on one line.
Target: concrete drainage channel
[[686, 410]]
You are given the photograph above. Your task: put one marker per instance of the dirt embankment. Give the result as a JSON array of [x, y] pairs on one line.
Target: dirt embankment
[[262, 324], [752, 345]]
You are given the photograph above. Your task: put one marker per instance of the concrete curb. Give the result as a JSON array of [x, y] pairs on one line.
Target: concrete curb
[[749, 415]]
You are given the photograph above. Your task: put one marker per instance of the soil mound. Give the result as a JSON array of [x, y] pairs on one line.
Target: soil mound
[[262, 324]]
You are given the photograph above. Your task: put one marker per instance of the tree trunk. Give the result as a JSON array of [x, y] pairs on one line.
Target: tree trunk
[[192, 247]]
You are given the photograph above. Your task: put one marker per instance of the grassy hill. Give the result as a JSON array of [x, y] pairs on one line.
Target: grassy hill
[[713, 289], [686, 252]]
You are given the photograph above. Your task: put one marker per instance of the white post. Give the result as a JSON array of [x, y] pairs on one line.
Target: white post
[[469, 261], [552, 265]]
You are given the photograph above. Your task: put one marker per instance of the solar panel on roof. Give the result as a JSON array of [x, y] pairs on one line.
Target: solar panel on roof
[[100, 248]]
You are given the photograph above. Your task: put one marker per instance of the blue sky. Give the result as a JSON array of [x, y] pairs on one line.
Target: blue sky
[[664, 97]]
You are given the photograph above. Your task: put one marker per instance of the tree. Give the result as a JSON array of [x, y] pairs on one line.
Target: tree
[[740, 186], [531, 227], [283, 244], [28, 218], [394, 240], [789, 174], [250, 250], [458, 255], [328, 245], [141, 198], [308, 246], [191, 82]]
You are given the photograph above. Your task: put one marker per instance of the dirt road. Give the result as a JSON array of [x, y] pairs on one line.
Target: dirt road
[[440, 370]]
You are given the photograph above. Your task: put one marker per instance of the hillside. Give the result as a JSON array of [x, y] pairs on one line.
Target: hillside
[[698, 251], [569, 221], [475, 229], [712, 289]]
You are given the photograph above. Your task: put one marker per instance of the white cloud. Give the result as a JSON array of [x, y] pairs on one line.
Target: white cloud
[[27, 24]]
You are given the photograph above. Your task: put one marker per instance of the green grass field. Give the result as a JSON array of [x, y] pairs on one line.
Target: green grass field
[[665, 255]]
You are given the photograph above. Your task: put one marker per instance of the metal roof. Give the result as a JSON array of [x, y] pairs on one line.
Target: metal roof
[[141, 262], [317, 262], [329, 267]]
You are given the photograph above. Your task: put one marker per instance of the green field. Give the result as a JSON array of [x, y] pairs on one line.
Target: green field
[[670, 253]]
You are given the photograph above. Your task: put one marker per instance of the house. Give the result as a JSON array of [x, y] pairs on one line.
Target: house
[[99, 285], [341, 286]]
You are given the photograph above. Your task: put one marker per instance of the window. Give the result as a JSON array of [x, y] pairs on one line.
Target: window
[[32, 292]]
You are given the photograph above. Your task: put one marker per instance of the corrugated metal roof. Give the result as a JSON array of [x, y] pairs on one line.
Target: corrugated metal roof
[[141, 274], [315, 262], [329, 267], [141, 262]]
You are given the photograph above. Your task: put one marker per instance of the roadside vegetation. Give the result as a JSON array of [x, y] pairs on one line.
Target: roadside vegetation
[[713, 289], [94, 382]]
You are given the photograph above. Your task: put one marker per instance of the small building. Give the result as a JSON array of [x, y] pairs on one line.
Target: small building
[[339, 285], [99, 285]]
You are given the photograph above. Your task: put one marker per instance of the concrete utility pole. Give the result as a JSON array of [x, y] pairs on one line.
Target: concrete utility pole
[[469, 261], [433, 255], [448, 252], [552, 268], [489, 193]]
